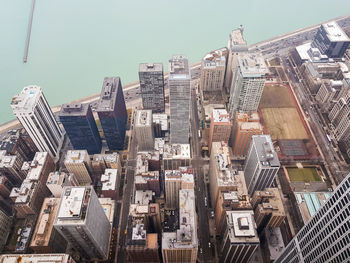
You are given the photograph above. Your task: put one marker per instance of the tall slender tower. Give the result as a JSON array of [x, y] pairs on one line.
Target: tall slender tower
[[179, 82], [326, 237], [80, 126], [34, 113], [152, 86], [111, 111]]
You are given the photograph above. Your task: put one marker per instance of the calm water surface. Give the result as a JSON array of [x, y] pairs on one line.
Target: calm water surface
[[76, 43]]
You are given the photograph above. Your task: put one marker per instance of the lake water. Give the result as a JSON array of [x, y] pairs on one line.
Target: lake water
[[76, 43]]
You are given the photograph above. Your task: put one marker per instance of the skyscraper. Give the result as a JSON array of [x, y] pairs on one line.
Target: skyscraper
[[236, 45], [248, 84], [144, 130], [326, 237], [261, 164], [152, 86], [179, 81], [331, 40], [80, 126], [35, 115], [82, 222], [111, 111]]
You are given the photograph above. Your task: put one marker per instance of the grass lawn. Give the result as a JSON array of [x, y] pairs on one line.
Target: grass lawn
[[303, 175]]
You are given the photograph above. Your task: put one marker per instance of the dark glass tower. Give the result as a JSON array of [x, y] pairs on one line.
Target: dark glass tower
[[80, 126], [111, 111]]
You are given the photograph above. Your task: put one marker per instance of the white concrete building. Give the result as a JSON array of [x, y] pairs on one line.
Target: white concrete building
[[34, 113]]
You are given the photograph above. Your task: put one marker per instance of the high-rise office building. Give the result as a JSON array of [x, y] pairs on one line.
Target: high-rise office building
[[240, 239], [213, 72], [81, 128], [83, 223], [248, 84], [111, 111], [35, 115], [46, 239], [261, 165], [331, 40], [220, 127], [182, 245], [326, 237], [244, 127], [268, 208], [5, 227], [236, 45], [179, 82], [144, 130], [79, 164], [152, 86]]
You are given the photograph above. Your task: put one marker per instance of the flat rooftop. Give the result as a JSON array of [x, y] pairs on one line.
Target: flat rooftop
[[108, 95], [24, 193], [143, 118], [143, 197], [26, 100], [161, 119], [236, 37], [43, 229], [179, 68], [335, 33], [177, 151], [221, 116], [265, 151], [109, 179], [142, 178], [74, 109], [76, 156], [252, 65], [36, 166], [150, 67], [242, 227], [56, 178], [108, 206], [271, 201], [6, 161], [186, 235]]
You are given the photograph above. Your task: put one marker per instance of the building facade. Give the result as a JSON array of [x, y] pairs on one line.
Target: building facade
[[79, 164], [152, 86], [326, 237], [34, 113], [220, 127], [5, 227], [80, 126], [261, 165], [179, 83], [112, 114]]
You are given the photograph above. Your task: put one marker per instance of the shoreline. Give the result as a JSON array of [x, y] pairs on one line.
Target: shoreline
[[91, 98]]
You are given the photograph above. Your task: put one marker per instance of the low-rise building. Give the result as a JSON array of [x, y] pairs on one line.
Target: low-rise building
[[57, 180], [220, 127], [109, 180], [100, 162], [10, 166], [36, 258], [46, 239]]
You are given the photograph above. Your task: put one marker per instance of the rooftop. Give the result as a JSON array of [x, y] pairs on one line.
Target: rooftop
[[269, 201], [252, 65], [143, 197], [43, 229], [221, 116], [184, 174], [6, 161], [143, 118], [142, 178], [178, 67], [176, 151], [237, 42], [27, 99], [23, 194], [108, 206], [36, 166], [242, 227], [74, 109], [334, 32], [109, 179], [56, 178], [139, 232], [108, 95], [265, 151], [186, 235], [150, 67], [76, 156]]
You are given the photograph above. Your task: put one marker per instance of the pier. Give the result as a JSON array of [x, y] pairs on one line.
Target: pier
[[25, 57]]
